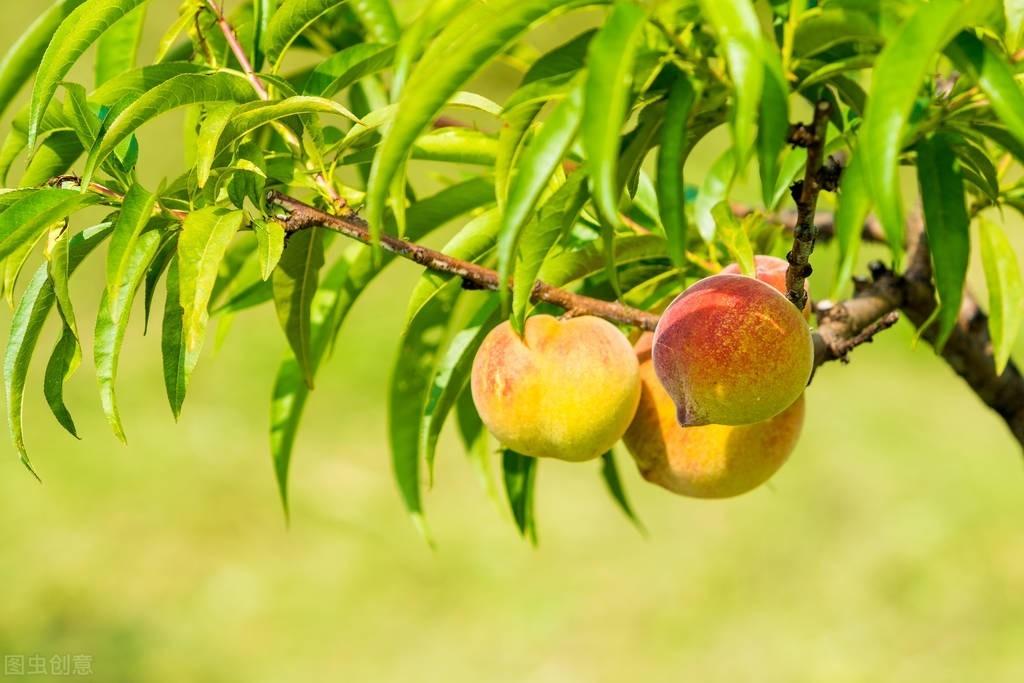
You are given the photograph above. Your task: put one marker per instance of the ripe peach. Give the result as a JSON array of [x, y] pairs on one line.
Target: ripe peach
[[566, 389], [732, 350], [771, 270], [713, 461]]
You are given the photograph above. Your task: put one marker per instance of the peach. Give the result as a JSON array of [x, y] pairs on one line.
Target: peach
[[566, 389], [772, 270], [713, 461], [732, 350]]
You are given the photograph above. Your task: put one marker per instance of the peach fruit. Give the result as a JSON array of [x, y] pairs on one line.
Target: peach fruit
[[713, 461], [771, 270], [566, 389], [732, 350]]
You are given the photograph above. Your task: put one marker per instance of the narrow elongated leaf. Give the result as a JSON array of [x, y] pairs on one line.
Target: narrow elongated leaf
[[134, 83], [339, 289], [160, 263], [295, 283], [739, 37], [773, 125], [56, 152], [607, 96], [535, 169], [849, 221], [713, 190], [79, 30], [467, 43], [64, 360], [520, 476], [732, 234], [180, 91], [288, 22], [263, 10], [29, 217], [452, 377], [58, 267], [671, 157], [347, 66], [610, 475], [22, 57], [118, 46], [994, 76], [899, 73], [112, 322], [136, 210], [946, 223], [270, 245], [379, 19], [1005, 291], [430, 309], [554, 219], [208, 141], [178, 361], [251, 116], [202, 244]]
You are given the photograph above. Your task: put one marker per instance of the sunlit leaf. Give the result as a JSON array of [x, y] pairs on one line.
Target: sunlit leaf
[[1005, 291]]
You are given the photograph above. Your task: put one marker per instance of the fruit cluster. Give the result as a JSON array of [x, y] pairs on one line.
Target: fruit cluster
[[710, 405]]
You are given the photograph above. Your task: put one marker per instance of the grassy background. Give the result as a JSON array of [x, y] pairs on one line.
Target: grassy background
[[890, 548]]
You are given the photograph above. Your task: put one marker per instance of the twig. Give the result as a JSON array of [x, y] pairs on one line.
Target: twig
[[806, 194]]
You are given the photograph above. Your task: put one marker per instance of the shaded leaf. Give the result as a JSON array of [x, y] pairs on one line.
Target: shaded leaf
[[671, 158], [946, 224], [178, 360], [610, 475], [288, 22], [849, 220], [520, 477], [295, 283]]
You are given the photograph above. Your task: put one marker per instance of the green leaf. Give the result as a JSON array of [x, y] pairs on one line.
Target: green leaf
[[610, 475], [994, 76], [112, 322], [204, 240], [118, 46], [671, 158], [347, 66], [288, 22], [607, 95], [249, 117], [168, 250], [58, 267], [452, 377], [179, 91], [79, 30], [22, 58], [130, 85], [536, 166], [29, 217], [65, 359], [295, 282], [851, 213], [56, 152], [430, 310], [339, 289], [208, 141], [739, 38], [734, 237], [467, 43], [263, 10], [178, 361], [136, 211], [270, 241], [520, 476], [898, 76], [554, 219], [713, 190], [1005, 291], [773, 126], [379, 19], [566, 266], [946, 223]]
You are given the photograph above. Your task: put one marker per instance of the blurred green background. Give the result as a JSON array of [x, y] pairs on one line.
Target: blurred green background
[[890, 548]]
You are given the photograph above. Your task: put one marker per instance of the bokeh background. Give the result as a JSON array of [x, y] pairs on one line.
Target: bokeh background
[[890, 548]]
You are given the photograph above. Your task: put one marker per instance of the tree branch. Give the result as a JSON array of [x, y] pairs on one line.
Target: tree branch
[[806, 194]]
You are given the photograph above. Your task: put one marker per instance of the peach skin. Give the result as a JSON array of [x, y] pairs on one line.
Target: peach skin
[[567, 389], [732, 350], [713, 461]]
